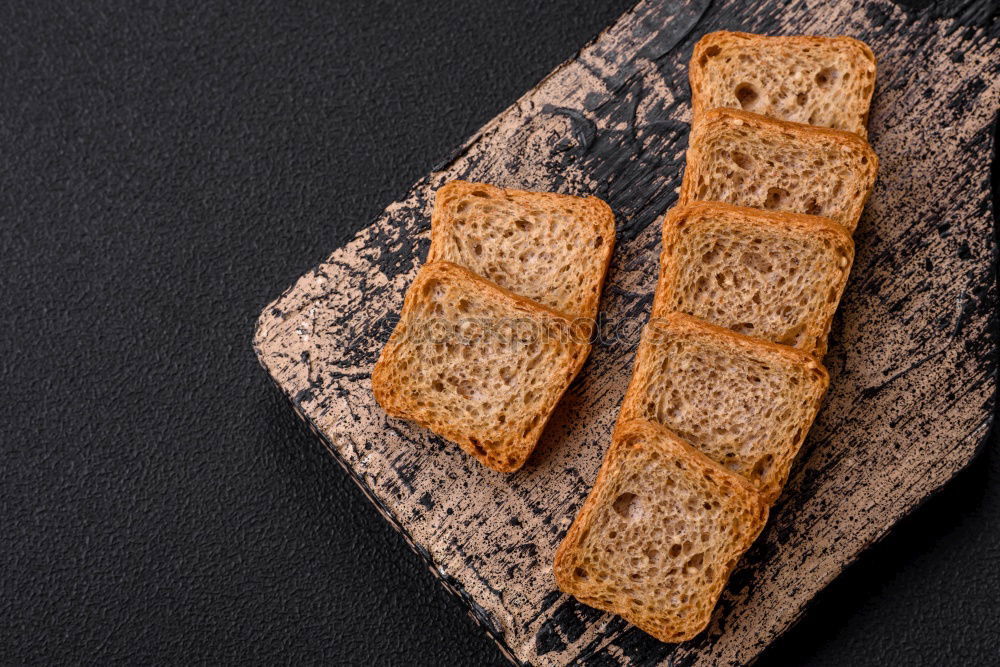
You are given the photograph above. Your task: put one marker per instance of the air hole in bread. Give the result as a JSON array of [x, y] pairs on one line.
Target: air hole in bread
[[775, 197], [580, 573], [478, 249], [756, 261], [598, 241], [465, 389], [695, 561], [746, 95], [712, 51], [627, 506], [762, 466], [801, 99], [742, 160], [825, 76], [479, 193], [813, 207], [522, 224], [430, 288]]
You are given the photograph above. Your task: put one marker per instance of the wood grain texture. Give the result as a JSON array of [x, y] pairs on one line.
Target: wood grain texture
[[912, 356]]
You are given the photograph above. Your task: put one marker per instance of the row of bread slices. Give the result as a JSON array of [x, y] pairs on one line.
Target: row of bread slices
[[720, 403], [727, 379]]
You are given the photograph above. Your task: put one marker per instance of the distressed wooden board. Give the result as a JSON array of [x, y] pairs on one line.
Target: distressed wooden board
[[912, 357]]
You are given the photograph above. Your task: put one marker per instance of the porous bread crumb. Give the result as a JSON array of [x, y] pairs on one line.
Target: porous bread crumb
[[744, 403], [775, 276], [477, 364], [548, 247], [824, 81], [748, 160], [659, 534]]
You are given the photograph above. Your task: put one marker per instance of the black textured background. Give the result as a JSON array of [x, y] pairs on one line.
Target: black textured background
[[164, 173]]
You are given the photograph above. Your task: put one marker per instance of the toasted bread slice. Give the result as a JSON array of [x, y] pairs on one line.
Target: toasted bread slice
[[551, 248], [659, 534], [477, 364], [745, 403], [771, 275], [749, 160], [824, 81]]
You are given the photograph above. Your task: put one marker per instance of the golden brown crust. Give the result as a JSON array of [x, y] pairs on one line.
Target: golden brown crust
[[501, 447], [746, 513], [863, 161], [684, 220], [780, 447], [854, 48], [589, 212], [683, 323]]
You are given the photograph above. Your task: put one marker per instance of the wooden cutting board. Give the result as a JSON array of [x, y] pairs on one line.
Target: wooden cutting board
[[912, 359]]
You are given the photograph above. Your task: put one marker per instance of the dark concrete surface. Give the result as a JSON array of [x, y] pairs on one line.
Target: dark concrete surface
[[165, 173]]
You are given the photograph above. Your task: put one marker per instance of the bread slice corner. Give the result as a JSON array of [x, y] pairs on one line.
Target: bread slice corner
[[772, 275], [477, 364], [824, 81], [551, 248], [659, 534], [750, 160]]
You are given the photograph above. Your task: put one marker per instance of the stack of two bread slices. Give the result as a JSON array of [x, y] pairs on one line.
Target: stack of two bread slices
[[497, 323], [728, 379]]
